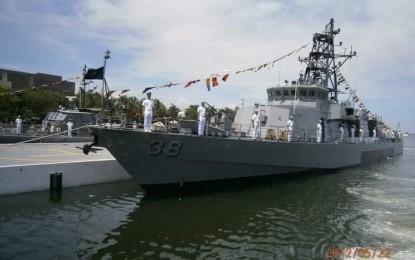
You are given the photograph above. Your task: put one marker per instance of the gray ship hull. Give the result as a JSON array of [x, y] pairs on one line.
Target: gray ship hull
[[166, 158]]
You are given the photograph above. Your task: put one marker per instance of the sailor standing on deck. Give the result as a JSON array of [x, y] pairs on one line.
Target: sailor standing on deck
[[18, 125], [148, 105], [255, 125], [361, 134], [374, 135], [341, 133], [70, 125], [290, 129], [319, 131], [201, 118]]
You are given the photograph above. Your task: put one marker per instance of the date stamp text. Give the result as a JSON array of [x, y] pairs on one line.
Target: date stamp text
[[360, 252]]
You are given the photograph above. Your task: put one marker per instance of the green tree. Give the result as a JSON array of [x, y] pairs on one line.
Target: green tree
[[229, 112], [9, 105], [191, 112], [36, 103], [173, 111], [128, 106], [29, 103], [92, 99], [132, 107], [159, 109]]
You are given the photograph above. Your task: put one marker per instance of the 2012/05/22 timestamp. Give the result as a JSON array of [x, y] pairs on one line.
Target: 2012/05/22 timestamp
[[363, 252]]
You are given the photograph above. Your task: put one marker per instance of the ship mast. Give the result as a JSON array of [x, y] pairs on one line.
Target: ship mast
[[321, 63]]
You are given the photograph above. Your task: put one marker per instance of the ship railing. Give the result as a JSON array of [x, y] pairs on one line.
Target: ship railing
[[305, 134], [302, 134], [278, 133], [335, 136], [308, 135], [241, 130]]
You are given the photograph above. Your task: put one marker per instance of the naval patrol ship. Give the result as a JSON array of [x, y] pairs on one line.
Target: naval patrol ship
[[348, 135]]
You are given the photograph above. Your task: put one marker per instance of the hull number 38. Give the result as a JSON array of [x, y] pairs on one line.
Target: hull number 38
[[158, 147]]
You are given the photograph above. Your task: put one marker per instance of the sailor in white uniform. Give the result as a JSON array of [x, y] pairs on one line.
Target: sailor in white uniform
[[290, 129], [255, 125], [148, 105], [361, 132], [319, 131], [374, 135], [18, 125], [201, 118], [70, 125], [341, 133]]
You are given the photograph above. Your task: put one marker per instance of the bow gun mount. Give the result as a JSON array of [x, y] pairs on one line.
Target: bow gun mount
[[321, 63]]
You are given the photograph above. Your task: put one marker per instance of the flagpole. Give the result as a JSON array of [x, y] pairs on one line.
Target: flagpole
[[104, 82], [83, 94]]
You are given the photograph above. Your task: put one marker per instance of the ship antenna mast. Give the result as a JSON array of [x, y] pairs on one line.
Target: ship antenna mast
[[321, 63]]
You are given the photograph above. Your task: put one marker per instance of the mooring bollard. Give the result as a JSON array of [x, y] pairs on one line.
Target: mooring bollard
[[55, 181]]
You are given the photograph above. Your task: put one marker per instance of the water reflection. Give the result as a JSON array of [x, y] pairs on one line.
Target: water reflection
[[282, 218], [37, 225]]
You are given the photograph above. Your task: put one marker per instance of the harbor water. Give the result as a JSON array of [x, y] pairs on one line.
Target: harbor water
[[316, 215]]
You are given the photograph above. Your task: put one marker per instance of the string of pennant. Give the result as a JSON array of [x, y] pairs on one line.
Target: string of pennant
[[213, 80], [353, 94], [44, 85]]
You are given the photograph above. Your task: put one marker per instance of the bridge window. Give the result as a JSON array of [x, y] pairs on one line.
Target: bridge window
[[285, 92], [312, 93]]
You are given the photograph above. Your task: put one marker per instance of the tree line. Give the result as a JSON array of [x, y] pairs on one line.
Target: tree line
[[33, 105]]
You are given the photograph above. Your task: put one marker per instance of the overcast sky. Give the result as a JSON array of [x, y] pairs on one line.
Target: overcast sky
[[156, 42]]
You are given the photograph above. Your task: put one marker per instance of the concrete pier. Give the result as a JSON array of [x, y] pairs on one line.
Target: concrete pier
[[27, 167]]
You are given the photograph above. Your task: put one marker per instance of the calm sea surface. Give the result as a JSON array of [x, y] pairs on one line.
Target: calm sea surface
[[306, 216]]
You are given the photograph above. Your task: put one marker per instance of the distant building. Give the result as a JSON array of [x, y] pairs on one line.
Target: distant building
[[16, 80]]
